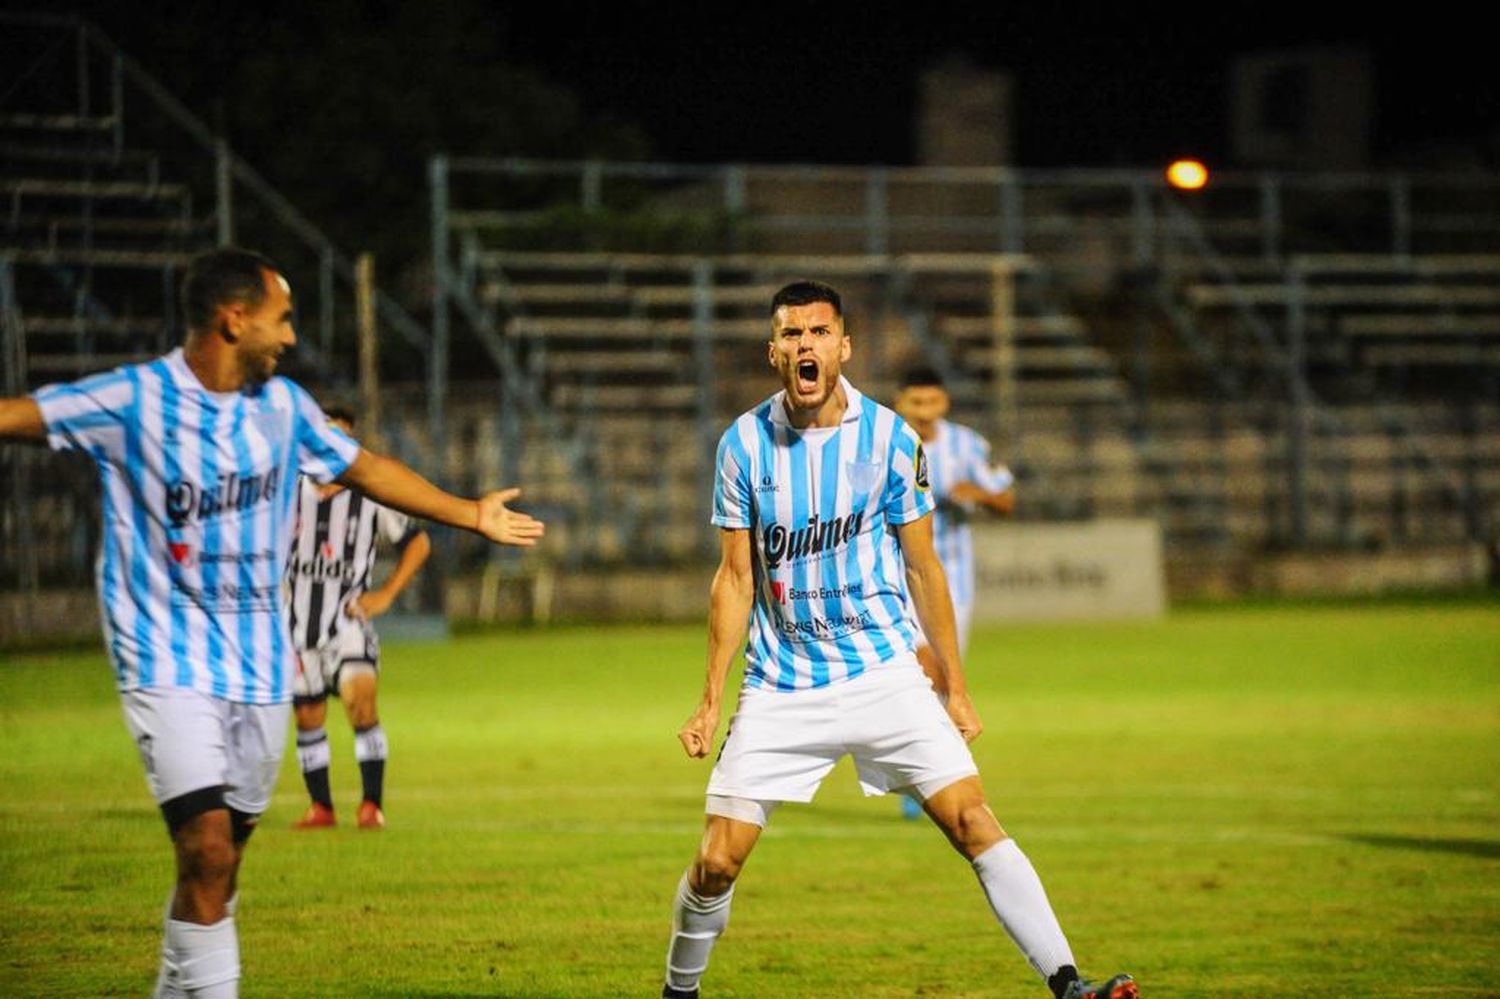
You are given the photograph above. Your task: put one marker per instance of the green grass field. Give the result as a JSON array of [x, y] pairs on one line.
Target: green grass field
[[1256, 801]]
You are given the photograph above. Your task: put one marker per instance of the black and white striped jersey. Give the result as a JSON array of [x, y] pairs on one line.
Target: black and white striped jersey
[[333, 554]]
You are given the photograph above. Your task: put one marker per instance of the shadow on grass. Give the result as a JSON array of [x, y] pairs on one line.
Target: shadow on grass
[[1487, 849]]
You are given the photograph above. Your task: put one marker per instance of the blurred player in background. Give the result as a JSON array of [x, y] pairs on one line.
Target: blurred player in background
[[198, 454], [332, 610], [963, 482], [823, 500]]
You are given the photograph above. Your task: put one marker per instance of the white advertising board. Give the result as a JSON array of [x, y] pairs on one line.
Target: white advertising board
[[1091, 569]]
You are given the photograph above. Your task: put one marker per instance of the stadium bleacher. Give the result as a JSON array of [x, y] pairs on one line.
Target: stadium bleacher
[[1233, 365]]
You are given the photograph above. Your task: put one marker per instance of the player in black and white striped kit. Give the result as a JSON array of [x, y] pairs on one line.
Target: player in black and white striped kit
[[331, 610]]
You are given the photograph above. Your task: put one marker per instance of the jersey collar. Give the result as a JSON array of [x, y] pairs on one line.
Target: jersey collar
[[855, 406]]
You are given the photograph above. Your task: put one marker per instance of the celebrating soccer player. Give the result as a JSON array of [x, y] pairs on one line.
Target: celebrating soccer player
[[198, 452], [823, 501]]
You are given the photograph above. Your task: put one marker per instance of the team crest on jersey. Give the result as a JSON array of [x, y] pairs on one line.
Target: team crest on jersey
[[328, 551], [922, 480], [863, 474], [181, 553]]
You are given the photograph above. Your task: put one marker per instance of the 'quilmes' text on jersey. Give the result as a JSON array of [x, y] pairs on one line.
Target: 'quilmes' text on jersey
[[818, 536], [188, 501]]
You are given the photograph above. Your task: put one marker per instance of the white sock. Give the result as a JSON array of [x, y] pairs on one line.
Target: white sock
[[312, 749], [370, 744], [697, 921], [166, 978], [1020, 903], [205, 959]]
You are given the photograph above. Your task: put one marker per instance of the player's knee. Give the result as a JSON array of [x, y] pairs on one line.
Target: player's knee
[[208, 857], [715, 870], [362, 713], [976, 829], [309, 713]]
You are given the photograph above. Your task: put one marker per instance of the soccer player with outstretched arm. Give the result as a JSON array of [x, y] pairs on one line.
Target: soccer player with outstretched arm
[[198, 455], [823, 503]]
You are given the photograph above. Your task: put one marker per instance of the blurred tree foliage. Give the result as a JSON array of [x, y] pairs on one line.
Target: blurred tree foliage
[[340, 103]]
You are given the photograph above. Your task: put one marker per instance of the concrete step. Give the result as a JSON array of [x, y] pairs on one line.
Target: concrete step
[[69, 325], [18, 188], [632, 329]]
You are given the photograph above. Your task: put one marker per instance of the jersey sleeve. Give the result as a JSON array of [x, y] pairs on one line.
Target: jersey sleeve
[[393, 526], [908, 487], [88, 414], [323, 451], [732, 482], [990, 477]]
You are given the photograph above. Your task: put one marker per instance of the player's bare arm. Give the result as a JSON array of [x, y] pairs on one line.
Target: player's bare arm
[[928, 586], [388, 481], [373, 603], [21, 419], [730, 599], [973, 494]]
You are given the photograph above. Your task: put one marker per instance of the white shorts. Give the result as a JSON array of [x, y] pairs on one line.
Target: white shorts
[[354, 649], [781, 744], [963, 616], [189, 740]]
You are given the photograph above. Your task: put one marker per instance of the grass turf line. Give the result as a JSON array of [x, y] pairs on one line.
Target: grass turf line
[[1261, 801]]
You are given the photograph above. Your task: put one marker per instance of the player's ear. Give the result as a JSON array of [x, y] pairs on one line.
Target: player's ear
[[771, 353], [228, 323], [845, 347]]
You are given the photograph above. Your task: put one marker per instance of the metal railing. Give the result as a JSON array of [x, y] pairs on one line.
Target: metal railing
[[1086, 230], [81, 105]]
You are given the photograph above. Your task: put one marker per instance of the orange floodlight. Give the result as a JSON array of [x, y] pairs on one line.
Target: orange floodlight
[[1187, 175]]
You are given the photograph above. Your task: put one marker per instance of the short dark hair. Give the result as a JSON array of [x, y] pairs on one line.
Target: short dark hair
[[921, 375], [338, 411], [806, 293], [228, 275]]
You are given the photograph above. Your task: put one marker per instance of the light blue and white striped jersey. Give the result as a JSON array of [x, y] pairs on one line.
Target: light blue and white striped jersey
[[822, 505], [958, 454], [199, 499]]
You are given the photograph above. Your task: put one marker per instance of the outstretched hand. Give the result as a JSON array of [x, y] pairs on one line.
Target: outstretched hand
[[503, 525], [697, 734], [965, 718]]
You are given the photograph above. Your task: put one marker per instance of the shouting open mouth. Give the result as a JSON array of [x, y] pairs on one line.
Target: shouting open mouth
[[807, 377]]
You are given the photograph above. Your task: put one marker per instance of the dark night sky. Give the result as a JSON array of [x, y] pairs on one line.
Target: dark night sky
[[1121, 87], [1097, 85]]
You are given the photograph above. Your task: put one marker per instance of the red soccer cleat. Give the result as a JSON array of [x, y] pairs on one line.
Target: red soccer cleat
[[1118, 987], [317, 816], [370, 816]]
